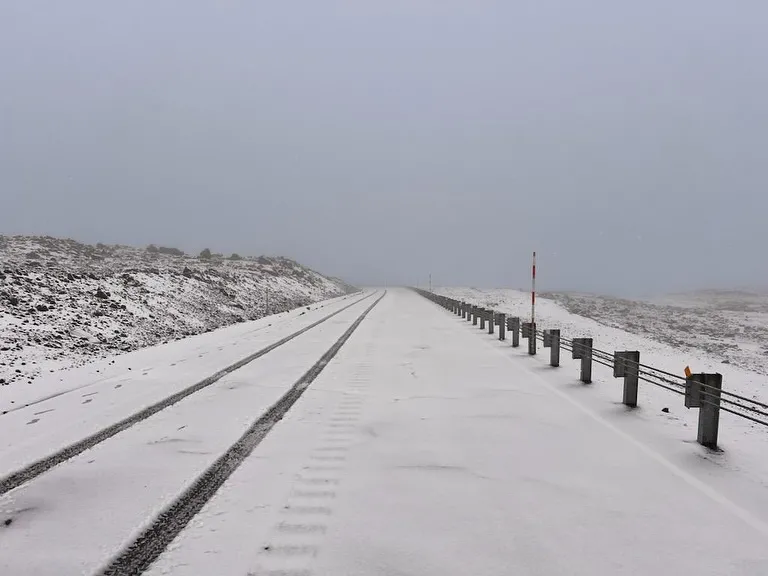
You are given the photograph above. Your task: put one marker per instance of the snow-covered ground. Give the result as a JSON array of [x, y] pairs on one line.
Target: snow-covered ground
[[730, 326], [64, 304], [424, 447], [140, 471], [741, 440], [608, 320], [429, 448]]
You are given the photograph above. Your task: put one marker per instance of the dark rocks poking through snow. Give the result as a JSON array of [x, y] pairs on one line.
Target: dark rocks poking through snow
[[73, 303]]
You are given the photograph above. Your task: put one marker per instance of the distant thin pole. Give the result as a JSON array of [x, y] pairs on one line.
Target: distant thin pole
[[533, 290], [430, 282]]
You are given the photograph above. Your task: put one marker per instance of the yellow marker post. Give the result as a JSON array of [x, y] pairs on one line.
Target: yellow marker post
[[687, 372]]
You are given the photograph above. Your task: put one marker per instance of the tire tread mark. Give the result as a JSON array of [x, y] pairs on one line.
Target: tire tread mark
[[32, 471], [137, 556]]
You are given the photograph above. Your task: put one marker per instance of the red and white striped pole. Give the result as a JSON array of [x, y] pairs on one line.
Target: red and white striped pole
[[533, 290]]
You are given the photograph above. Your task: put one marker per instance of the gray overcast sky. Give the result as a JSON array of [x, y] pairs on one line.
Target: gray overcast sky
[[381, 140]]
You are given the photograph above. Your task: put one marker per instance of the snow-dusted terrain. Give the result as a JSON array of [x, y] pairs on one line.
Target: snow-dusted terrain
[[423, 446], [736, 434], [64, 303], [668, 336], [731, 326]]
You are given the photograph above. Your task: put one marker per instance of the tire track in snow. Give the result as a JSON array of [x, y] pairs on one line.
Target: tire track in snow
[[152, 542], [295, 541], [32, 471]]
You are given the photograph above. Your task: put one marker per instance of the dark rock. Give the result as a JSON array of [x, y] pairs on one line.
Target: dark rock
[[101, 294], [42, 308], [13, 301], [726, 361], [665, 410]]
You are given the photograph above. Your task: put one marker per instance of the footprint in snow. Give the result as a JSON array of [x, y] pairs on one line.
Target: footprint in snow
[[33, 421], [87, 400]]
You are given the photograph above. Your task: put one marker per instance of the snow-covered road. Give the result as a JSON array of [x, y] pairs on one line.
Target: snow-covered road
[[424, 447]]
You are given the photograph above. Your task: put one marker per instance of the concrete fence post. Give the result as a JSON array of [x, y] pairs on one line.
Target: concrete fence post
[[515, 327], [502, 327], [529, 332], [532, 340], [709, 413], [491, 320], [481, 312], [582, 350], [470, 311], [627, 365], [475, 310], [554, 348]]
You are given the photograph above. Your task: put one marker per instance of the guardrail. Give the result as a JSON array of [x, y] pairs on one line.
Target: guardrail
[[703, 391]]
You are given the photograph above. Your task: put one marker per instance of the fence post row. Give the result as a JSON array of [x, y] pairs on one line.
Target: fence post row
[[529, 331], [513, 324], [582, 350], [702, 391], [552, 341], [626, 365]]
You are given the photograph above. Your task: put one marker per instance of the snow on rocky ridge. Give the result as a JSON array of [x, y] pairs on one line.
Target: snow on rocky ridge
[[64, 303]]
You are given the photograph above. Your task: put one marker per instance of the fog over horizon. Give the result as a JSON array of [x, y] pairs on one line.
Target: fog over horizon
[[627, 143]]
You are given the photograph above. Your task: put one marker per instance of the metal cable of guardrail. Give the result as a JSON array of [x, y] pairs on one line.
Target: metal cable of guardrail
[[706, 394], [675, 390], [746, 416]]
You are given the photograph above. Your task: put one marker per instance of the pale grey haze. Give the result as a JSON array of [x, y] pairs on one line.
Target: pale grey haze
[[381, 140]]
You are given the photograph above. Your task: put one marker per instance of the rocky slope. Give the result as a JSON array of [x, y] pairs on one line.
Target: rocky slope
[[64, 303]]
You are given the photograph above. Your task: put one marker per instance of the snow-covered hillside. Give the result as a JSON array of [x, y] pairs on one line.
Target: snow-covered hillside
[[64, 303]]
